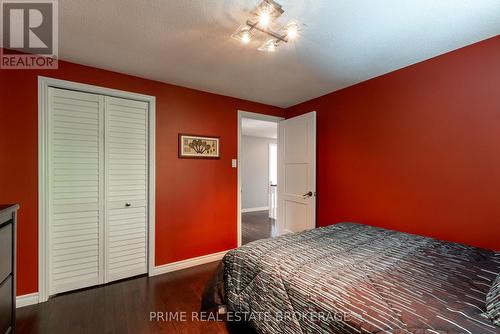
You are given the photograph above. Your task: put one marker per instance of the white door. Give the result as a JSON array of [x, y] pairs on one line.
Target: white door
[[126, 188], [297, 174], [97, 163], [75, 211]]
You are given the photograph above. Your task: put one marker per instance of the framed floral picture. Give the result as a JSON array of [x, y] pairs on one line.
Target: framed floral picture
[[198, 147]]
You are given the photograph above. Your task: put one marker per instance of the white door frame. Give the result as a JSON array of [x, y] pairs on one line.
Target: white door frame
[[43, 85], [252, 115]]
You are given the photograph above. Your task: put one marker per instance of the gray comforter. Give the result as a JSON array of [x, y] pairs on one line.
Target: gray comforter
[[352, 278]]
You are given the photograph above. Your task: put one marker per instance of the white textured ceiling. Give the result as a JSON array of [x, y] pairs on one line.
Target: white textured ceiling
[[257, 128], [187, 42]]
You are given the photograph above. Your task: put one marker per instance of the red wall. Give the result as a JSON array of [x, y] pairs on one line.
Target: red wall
[[416, 150], [195, 199]]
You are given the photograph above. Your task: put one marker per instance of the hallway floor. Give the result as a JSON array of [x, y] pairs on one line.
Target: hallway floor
[[256, 225]]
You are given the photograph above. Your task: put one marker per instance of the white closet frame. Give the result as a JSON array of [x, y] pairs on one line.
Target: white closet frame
[[43, 84]]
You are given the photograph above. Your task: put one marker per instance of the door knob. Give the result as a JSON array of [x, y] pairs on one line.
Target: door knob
[[309, 194], [128, 204]]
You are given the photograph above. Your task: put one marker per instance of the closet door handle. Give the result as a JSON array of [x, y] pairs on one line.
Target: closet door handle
[[128, 204]]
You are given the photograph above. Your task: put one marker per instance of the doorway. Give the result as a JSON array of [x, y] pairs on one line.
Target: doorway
[[292, 199], [257, 176]]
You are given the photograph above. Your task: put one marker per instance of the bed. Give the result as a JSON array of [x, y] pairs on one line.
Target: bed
[[354, 278]]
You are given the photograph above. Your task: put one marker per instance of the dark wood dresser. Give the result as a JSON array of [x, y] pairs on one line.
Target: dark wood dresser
[[7, 268]]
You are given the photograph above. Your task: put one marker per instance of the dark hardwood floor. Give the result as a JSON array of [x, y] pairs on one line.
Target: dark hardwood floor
[[124, 307], [256, 225]]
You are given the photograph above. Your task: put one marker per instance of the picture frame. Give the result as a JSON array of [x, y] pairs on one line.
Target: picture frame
[[198, 146]]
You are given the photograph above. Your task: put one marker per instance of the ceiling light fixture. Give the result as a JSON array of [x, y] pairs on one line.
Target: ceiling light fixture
[[269, 46], [262, 21], [246, 36], [292, 30]]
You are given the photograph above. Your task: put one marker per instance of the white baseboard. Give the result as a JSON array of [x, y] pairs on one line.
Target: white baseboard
[[195, 261], [261, 208], [26, 300], [32, 298]]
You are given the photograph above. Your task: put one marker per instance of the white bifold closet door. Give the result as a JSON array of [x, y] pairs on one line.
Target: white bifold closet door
[[126, 188], [97, 189]]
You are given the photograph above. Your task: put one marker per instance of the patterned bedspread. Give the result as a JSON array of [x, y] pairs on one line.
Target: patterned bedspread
[[352, 278]]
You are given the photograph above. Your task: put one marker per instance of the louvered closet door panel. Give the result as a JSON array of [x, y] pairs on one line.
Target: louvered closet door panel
[[126, 188], [75, 156]]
